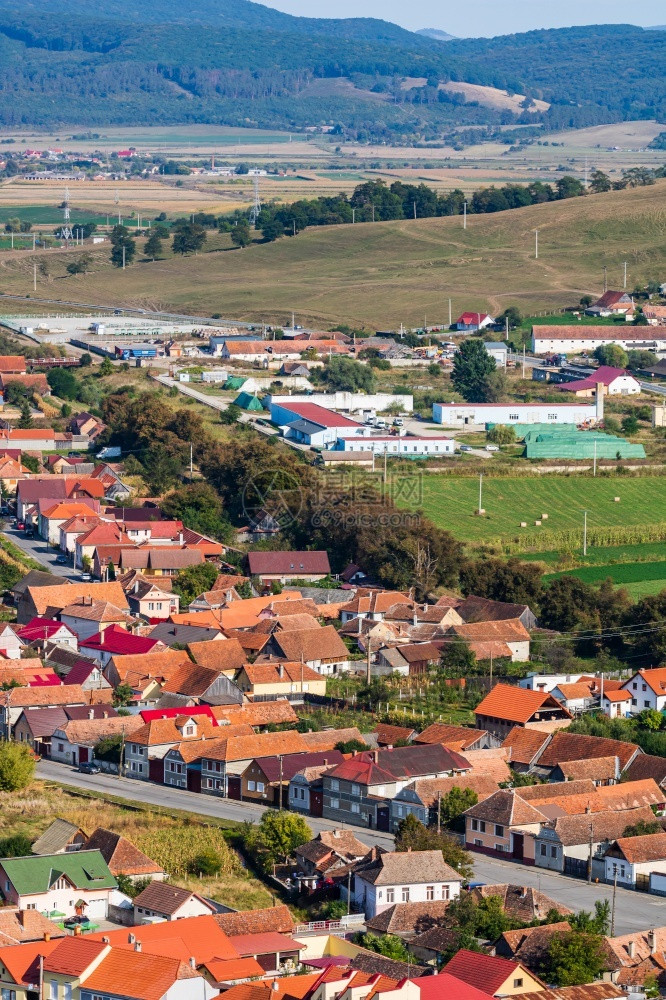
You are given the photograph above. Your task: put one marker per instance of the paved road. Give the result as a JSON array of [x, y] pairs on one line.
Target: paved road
[[37, 549], [174, 799], [633, 910]]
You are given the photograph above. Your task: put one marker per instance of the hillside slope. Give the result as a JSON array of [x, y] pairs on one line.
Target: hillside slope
[[382, 274], [238, 63]]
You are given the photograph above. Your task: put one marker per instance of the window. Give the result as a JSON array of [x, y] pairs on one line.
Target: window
[[633, 701], [67, 991], [635, 686], [251, 786], [446, 891], [335, 785], [355, 807], [430, 892], [499, 830], [646, 704], [482, 826], [335, 803], [553, 852], [53, 990], [61, 747], [405, 894], [260, 786], [477, 842], [514, 416], [475, 824], [643, 687], [552, 416], [542, 850], [390, 895], [31, 906], [8, 994], [151, 606], [517, 983], [355, 790]]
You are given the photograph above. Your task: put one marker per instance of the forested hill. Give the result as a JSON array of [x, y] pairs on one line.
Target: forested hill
[[240, 63]]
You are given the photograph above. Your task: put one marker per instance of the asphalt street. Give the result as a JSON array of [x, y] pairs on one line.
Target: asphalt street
[[174, 799], [43, 553], [633, 910]]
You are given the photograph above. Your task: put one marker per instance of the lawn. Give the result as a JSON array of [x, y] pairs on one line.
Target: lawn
[[172, 840], [451, 501], [640, 578], [379, 275]]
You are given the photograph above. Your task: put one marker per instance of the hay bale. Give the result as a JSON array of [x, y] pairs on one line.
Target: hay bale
[[537, 524]]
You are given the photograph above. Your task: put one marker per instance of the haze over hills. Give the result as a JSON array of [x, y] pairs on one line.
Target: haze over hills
[[240, 63], [436, 33]]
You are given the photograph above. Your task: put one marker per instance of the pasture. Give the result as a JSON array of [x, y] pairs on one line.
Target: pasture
[[450, 501], [379, 275]]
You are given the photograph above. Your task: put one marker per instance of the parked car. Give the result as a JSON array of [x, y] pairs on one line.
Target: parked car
[[86, 577], [20, 525], [465, 447], [89, 767], [492, 447], [62, 559], [29, 532]]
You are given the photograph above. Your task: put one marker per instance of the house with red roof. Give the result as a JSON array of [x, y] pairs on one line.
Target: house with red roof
[[494, 976], [615, 382], [612, 304], [506, 706], [314, 425], [117, 641], [472, 322], [39, 631], [361, 789], [284, 567]]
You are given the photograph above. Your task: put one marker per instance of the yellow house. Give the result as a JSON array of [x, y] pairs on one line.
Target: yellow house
[[282, 678], [501, 977]]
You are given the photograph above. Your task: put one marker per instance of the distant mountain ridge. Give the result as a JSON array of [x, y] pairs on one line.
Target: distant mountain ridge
[[436, 33], [234, 62]]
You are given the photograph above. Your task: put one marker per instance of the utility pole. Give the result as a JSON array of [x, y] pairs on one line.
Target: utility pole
[[584, 532], [353, 215], [605, 278], [523, 361], [480, 492], [464, 215], [348, 891], [594, 464], [373, 211], [536, 244], [491, 669], [589, 862], [122, 753], [414, 209], [450, 320], [280, 783], [123, 258], [612, 926], [439, 812], [190, 461], [368, 669], [625, 275], [34, 243], [34, 277]]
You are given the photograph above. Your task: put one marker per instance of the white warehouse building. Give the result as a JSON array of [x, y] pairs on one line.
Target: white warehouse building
[[407, 447], [350, 402], [462, 414], [573, 339]]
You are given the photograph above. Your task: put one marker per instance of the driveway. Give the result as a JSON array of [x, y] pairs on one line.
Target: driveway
[[43, 553]]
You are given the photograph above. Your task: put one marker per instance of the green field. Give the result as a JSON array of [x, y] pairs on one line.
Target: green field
[[48, 215], [390, 272], [640, 578], [451, 501], [647, 552]]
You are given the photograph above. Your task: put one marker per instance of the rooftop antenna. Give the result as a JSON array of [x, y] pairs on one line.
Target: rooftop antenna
[[65, 206], [256, 208]]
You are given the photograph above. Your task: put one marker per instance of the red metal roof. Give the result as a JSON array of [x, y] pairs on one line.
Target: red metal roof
[[486, 972], [151, 714], [118, 641], [604, 375], [319, 415], [447, 987]]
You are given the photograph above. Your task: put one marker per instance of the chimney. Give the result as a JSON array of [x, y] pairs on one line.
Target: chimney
[[652, 941], [77, 930], [375, 756], [599, 401], [280, 670], [105, 714], [415, 617], [631, 948], [137, 946], [47, 936], [275, 986], [130, 938], [91, 713], [193, 962]]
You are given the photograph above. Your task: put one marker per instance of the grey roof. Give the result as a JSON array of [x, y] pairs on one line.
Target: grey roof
[[366, 961], [56, 837], [408, 867], [494, 344], [37, 578], [170, 634], [393, 656], [324, 595]]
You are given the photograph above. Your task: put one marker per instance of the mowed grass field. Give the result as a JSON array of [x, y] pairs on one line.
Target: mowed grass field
[[639, 578], [378, 275], [451, 501]]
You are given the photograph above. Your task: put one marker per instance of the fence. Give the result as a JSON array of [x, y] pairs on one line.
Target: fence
[[331, 926]]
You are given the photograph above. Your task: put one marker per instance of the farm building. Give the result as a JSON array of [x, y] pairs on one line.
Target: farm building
[[406, 447], [349, 402], [615, 382], [461, 414], [572, 339], [569, 442]]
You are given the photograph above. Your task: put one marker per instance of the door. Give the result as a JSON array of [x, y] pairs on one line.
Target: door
[[193, 781], [316, 803], [517, 845], [234, 786], [156, 770], [83, 755], [383, 818]]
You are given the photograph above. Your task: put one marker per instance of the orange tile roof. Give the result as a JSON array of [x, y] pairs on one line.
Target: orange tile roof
[[150, 976], [73, 956], [238, 968], [654, 678], [239, 614], [617, 696], [269, 673], [577, 746], [258, 714], [22, 962], [261, 745], [225, 655], [525, 744], [515, 704], [67, 510], [199, 937], [161, 731], [62, 694], [161, 665], [60, 596]]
